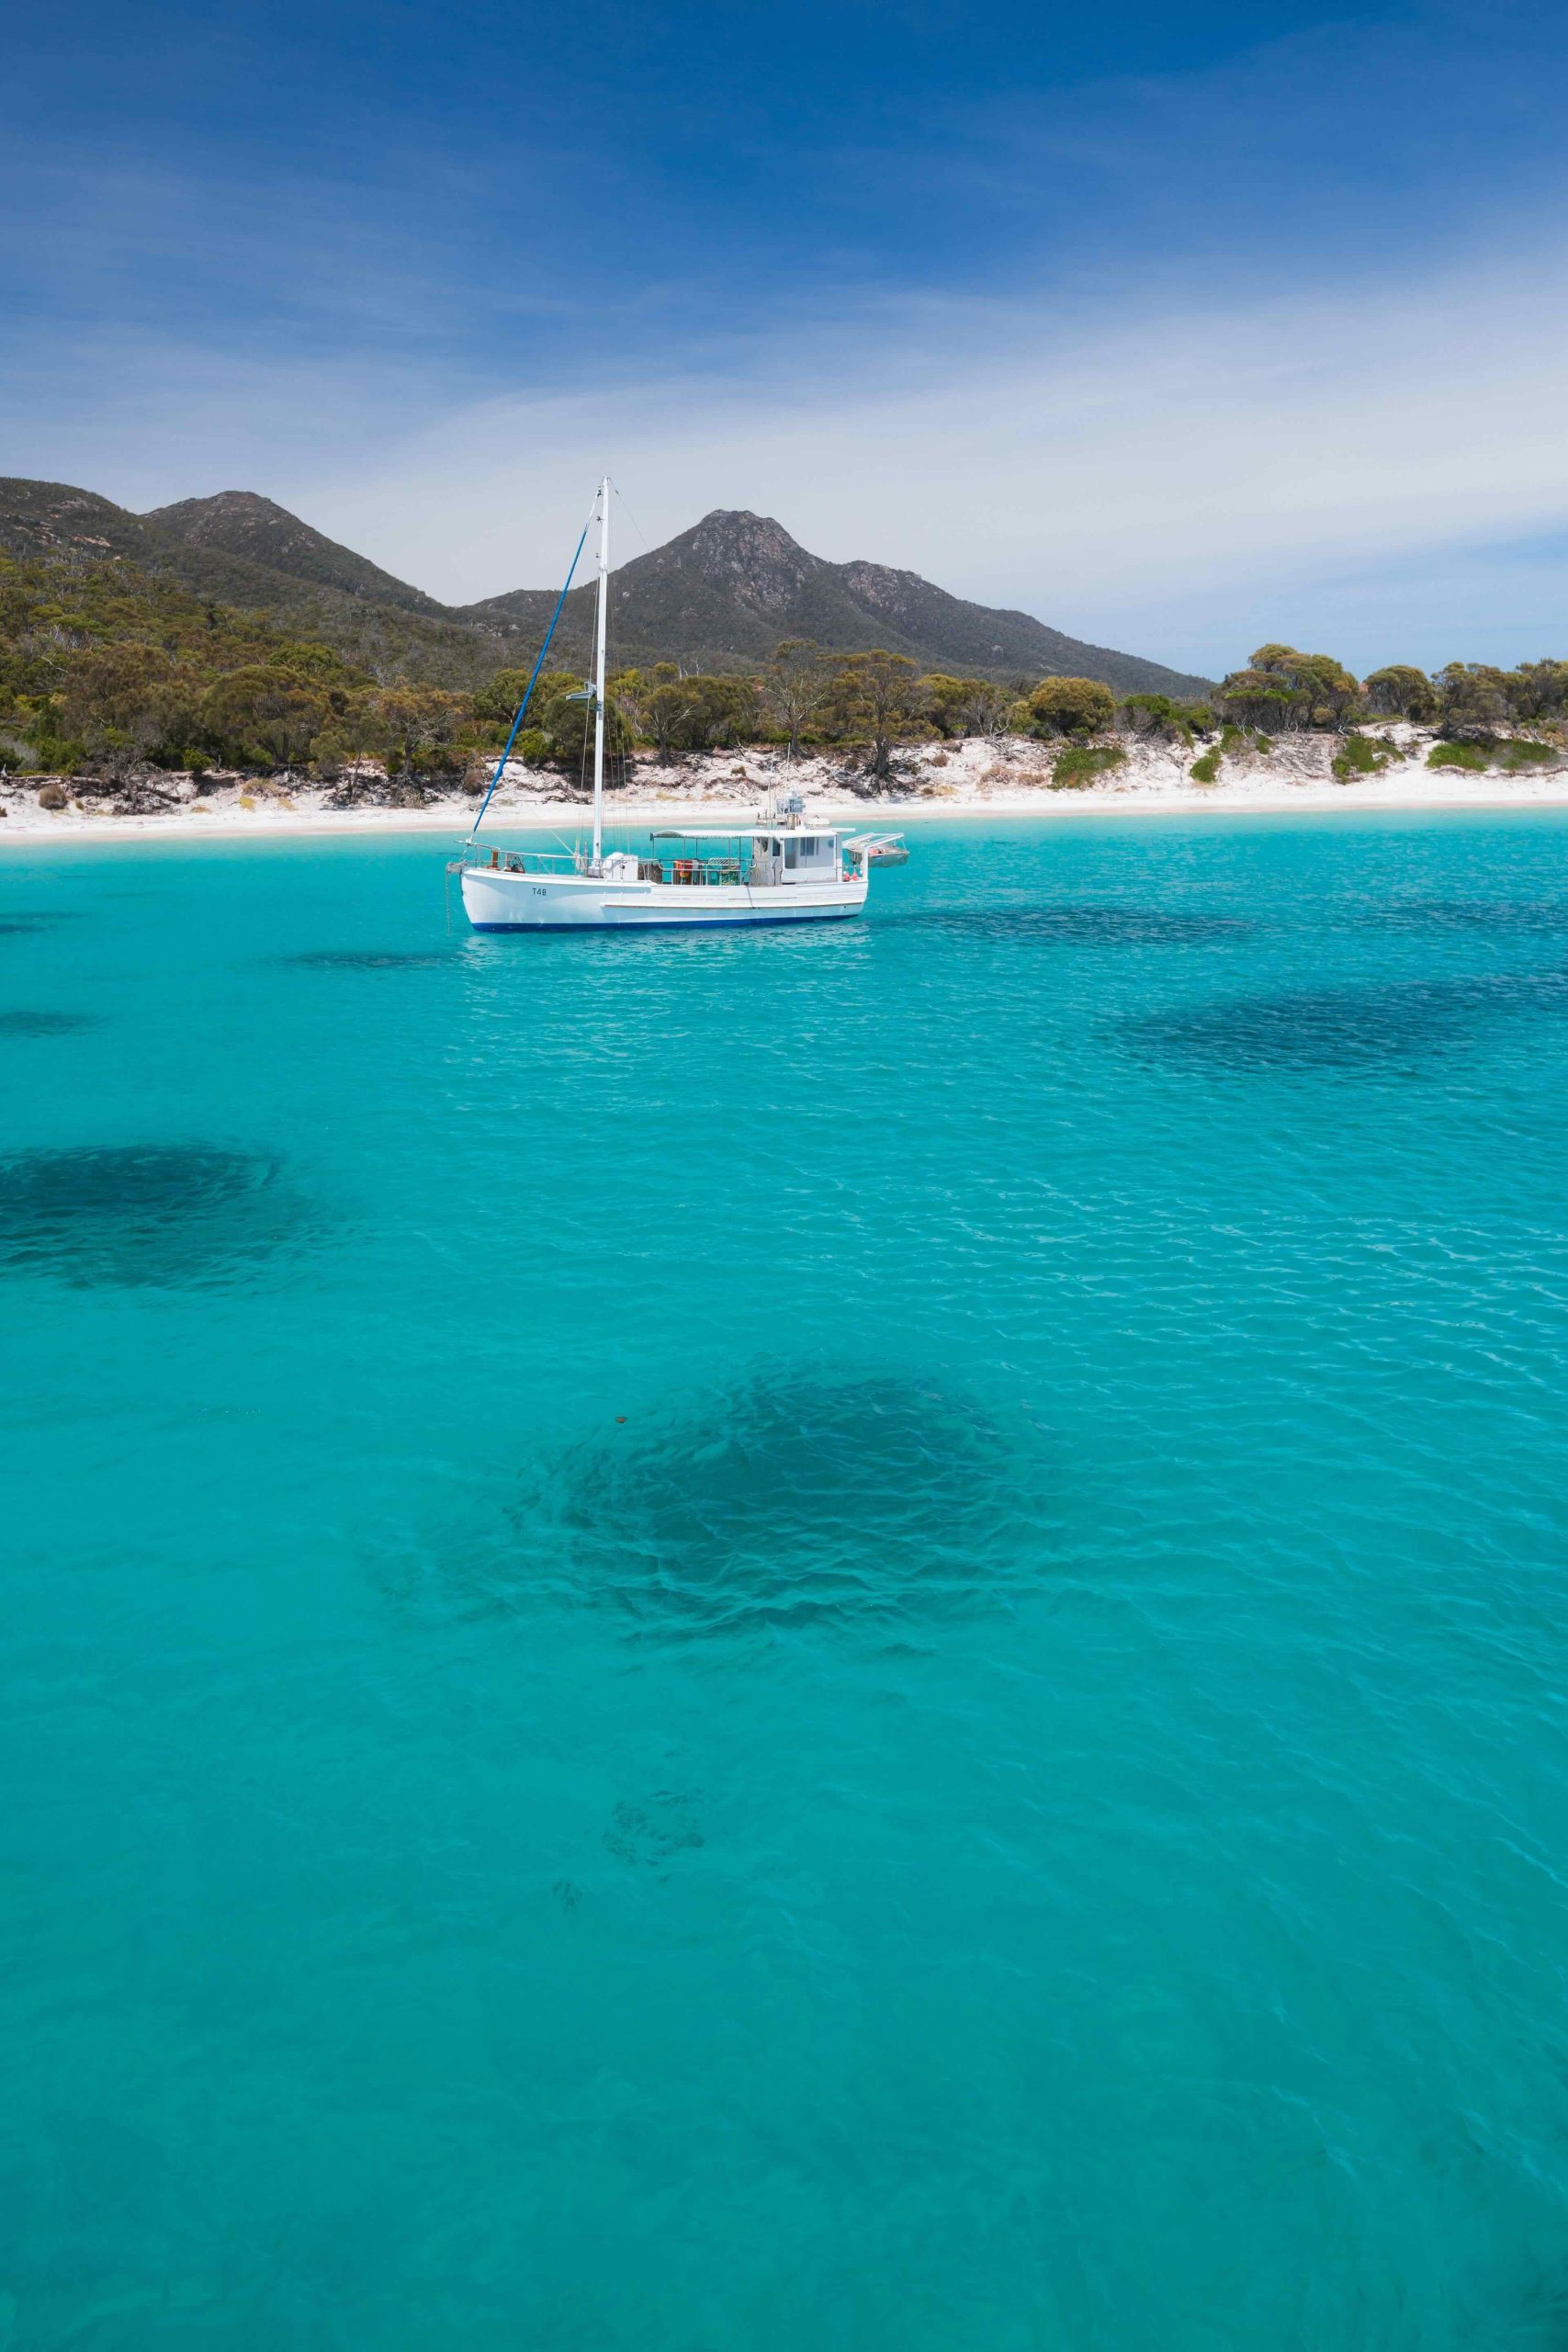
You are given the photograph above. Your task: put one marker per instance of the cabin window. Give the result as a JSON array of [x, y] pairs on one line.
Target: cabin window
[[792, 852]]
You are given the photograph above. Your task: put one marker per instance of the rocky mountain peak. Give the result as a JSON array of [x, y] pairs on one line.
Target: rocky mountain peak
[[753, 558], [226, 514]]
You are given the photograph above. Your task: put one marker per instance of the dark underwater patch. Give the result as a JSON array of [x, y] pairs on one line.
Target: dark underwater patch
[[653, 1832], [368, 959], [784, 1498], [1521, 916], [1073, 926], [46, 1025], [83, 2200], [163, 1215], [1344, 1028]]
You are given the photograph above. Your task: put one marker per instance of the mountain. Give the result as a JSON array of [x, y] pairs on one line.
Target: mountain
[[51, 520], [719, 596], [242, 551], [726, 592], [259, 537]]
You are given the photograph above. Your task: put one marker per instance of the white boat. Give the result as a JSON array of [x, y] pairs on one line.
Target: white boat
[[881, 849], [767, 874], [781, 869]]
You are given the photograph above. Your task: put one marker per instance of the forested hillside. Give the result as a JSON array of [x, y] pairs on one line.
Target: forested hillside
[[242, 551], [109, 671], [105, 668], [719, 597]]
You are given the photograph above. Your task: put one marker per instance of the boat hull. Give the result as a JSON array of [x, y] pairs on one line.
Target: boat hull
[[494, 900]]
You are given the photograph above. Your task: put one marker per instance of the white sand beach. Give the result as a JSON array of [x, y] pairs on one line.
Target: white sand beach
[[1006, 777]]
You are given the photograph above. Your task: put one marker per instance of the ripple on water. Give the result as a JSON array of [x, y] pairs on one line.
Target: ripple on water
[[98, 2235], [786, 1497], [368, 959], [1082, 926], [164, 1215]]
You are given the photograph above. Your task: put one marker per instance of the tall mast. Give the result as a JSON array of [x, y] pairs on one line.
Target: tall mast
[[599, 673]]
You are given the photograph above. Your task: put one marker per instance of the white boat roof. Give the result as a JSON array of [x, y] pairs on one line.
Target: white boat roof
[[746, 833]]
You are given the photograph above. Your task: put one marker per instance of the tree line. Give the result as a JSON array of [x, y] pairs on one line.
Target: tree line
[[106, 670], [802, 698], [805, 698], [1283, 691]]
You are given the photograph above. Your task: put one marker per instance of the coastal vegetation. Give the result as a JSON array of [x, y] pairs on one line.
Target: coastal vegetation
[[1081, 763], [1513, 754], [1166, 720], [1059, 707], [116, 678], [1283, 690], [106, 671], [1358, 755], [1456, 755]]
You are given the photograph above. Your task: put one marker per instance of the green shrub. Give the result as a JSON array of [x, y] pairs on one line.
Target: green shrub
[[64, 753], [1358, 755], [1082, 763], [1456, 755], [1070, 705], [1158, 715], [1521, 751], [1207, 768], [1512, 753], [1243, 739]]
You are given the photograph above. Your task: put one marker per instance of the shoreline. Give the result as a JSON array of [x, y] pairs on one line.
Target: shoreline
[[980, 778], [454, 819]]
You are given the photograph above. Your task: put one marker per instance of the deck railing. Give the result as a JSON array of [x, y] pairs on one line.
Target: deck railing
[[699, 872], [481, 854], [760, 872]]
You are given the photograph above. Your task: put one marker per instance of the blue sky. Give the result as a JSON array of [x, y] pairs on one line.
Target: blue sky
[[1183, 329]]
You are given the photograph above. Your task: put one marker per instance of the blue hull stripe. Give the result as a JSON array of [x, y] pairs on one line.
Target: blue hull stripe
[[680, 922]]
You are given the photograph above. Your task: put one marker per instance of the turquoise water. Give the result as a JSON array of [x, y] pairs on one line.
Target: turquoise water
[[852, 1640]]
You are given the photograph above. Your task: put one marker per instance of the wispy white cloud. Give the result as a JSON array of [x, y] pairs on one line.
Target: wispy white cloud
[[1335, 465], [1186, 471]]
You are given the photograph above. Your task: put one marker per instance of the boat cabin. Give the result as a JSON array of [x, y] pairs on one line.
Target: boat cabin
[[770, 857]]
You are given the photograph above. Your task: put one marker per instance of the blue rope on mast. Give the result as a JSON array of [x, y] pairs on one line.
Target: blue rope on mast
[[501, 763]]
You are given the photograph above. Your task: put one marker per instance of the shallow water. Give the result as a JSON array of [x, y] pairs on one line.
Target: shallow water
[[852, 1640]]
